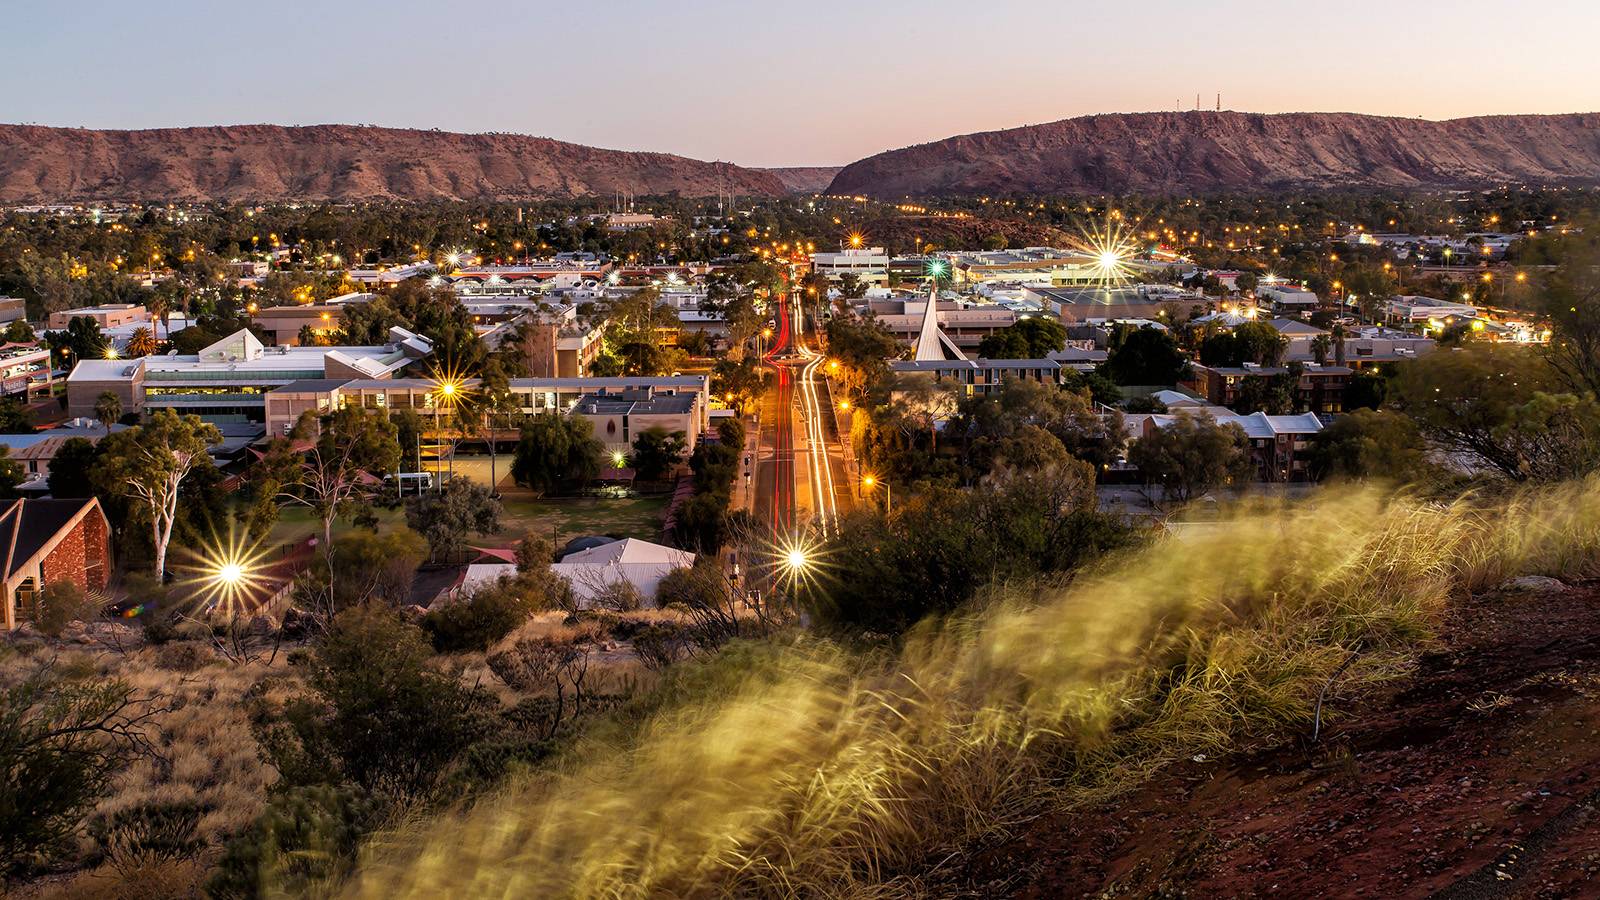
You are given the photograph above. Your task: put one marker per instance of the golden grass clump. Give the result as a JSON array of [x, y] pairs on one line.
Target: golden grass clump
[[805, 769]]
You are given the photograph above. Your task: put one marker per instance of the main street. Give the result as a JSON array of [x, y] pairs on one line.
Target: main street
[[800, 482]]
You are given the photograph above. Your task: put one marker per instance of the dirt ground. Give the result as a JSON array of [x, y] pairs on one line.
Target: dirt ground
[[1478, 777]]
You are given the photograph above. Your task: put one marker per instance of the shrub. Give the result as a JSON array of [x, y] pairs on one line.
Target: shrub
[[149, 833], [307, 834], [477, 621], [61, 743], [62, 602], [377, 714], [184, 656]]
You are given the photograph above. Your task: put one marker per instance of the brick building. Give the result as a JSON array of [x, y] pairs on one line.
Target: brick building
[[45, 541]]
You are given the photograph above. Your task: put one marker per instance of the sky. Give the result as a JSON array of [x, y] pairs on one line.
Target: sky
[[767, 84]]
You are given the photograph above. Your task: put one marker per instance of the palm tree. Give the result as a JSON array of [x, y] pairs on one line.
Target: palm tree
[[141, 343], [108, 409]]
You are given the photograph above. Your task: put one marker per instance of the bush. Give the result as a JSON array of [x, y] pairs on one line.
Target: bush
[[61, 743], [149, 833], [60, 603], [477, 621], [306, 835], [185, 656], [378, 714]]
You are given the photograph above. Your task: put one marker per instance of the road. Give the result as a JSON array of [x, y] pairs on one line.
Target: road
[[799, 471]]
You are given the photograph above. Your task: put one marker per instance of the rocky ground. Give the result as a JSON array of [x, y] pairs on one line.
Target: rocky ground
[[1478, 777]]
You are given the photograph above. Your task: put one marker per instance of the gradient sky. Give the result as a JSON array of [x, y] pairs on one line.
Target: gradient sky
[[800, 83]]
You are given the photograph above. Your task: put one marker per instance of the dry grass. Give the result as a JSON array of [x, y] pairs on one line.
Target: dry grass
[[806, 770], [206, 751]]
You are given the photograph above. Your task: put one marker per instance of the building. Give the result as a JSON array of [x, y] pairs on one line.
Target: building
[[283, 324], [1140, 301], [229, 380], [1288, 298], [981, 376], [25, 368], [619, 417], [1046, 265], [594, 571], [1319, 389], [12, 309], [870, 265], [1427, 309], [46, 541], [386, 275], [286, 403], [1279, 445], [35, 450], [963, 328], [110, 315]]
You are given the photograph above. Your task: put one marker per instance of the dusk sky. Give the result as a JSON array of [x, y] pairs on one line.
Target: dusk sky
[[816, 83]]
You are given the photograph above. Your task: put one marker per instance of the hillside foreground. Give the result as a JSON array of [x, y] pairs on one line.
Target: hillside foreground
[[1477, 777]]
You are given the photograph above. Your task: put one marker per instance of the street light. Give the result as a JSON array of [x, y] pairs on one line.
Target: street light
[[619, 459], [868, 482]]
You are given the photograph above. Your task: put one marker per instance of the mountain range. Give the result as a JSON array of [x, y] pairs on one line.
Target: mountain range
[[1201, 152], [340, 162], [1230, 151]]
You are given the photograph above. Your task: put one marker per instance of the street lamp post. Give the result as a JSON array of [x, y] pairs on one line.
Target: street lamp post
[[867, 484]]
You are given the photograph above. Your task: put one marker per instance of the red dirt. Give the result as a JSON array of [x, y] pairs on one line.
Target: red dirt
[[1477, 777]]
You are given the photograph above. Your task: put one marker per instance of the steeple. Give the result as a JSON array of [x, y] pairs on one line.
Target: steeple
[[932, 344]]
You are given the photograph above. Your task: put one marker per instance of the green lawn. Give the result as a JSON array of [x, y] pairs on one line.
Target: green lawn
[[563, 519]]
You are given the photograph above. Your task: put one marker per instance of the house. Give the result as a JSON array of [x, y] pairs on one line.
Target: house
[[1287, 298], [1319, 389], [45, 541], [593, 570], [619, 417], [1278, 444]]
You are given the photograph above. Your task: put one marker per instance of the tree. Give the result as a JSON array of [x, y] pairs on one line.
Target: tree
[[148, 464], [141, 343], [377, 713], [70, 469], [1252, 342], [1192, 455], [19, 332], [555, 450], [374, 566], [655, 452], [1031, 338], [11, 473], [84, 338], [14, 417], [862, 347], [355, 447], [108, 409], [62, 742], [1247, 282], [1369, 443], [941, 546], [740, 383], [1483, 405], [1145, 356], [1571, 302], [448, 517]]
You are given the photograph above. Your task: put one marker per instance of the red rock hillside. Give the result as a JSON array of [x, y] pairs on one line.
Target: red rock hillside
[[1230, 151], [339, 162]]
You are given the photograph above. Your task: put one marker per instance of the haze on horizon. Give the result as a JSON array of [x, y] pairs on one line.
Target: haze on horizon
[[823, 83]]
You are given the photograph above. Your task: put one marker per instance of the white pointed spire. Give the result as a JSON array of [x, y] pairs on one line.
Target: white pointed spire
[[928, 344]]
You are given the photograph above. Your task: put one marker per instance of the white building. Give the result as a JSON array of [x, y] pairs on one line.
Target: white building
[[1423, 309], [593, 571], [870, 265]]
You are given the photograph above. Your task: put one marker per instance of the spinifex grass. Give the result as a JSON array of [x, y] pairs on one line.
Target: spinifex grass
[[805, 769]]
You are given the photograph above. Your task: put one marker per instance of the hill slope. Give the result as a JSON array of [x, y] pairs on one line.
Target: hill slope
[[339, 162], [805, 179], [1227, 151]]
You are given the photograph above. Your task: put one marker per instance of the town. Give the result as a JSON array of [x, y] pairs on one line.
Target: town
[[570, 450]]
